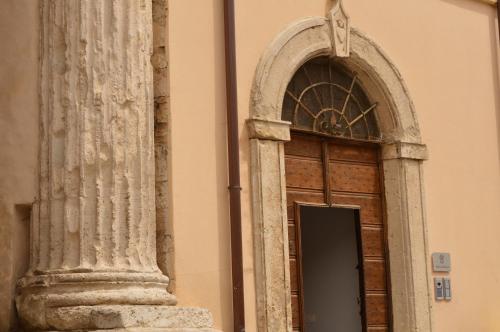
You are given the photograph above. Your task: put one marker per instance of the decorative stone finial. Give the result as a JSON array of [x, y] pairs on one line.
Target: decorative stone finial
[[340, 30]]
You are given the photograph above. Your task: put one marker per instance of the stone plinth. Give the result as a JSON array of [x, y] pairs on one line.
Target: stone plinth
[[135, 317]]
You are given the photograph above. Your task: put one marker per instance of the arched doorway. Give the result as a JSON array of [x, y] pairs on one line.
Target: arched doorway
[[334, 187], [401, 156]]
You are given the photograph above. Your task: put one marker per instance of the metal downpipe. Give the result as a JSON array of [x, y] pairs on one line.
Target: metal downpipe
[[234, 168]]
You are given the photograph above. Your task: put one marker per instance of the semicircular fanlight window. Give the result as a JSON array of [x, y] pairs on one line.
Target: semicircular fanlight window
[[325, 98]]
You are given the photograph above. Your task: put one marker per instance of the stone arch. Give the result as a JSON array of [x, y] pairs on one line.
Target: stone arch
[[402, 154]]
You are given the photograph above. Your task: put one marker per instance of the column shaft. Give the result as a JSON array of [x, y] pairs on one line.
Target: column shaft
[[97, 161], [93, 234]]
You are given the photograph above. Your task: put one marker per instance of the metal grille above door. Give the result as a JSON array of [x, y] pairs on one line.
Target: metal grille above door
[[324, 97]]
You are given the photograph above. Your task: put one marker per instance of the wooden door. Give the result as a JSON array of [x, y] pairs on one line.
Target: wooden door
[[337, 172]]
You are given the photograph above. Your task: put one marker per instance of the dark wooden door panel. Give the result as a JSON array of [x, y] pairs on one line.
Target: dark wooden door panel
[[304, 146], [354, 178], [294, 277], [374, 273], [292, 245], [296, 323], [304, 173], [376, 309], [370, 206], [292, 195], [321, 171], [378, 329], [353, 153], [372, 241]]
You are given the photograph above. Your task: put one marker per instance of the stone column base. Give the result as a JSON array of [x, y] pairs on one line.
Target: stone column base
[[105, 301], [153, 330], [139, 329], [129, 318]]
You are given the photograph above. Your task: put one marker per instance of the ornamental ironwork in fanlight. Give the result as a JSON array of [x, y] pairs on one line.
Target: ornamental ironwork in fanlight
[[323, 97]]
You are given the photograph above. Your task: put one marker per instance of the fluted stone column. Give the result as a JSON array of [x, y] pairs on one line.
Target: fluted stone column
[[93, 252]]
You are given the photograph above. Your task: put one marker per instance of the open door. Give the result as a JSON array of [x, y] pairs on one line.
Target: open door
[[325, 173], [331, 268]]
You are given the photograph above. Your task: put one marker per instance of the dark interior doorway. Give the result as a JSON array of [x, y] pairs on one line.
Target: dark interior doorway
[[331, 269]]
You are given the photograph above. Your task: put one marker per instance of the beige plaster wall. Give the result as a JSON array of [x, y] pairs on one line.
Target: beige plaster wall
[[445, 50], [19, 142], [198, 200]]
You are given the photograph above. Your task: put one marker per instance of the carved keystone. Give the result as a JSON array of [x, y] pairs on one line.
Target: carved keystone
[[340, 28]]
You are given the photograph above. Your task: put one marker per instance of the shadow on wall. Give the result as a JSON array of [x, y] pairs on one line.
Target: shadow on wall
[[495, 38], [14, 255]]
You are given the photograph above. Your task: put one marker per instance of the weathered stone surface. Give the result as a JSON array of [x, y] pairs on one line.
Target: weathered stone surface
[[93, 261], [161, 88], [272, 272], [96, 204], [161, 329], [6, 273], [340, 30], [406, 236], [152, 329], [402, 150], [269, 129], [19, 32], [123, 316]]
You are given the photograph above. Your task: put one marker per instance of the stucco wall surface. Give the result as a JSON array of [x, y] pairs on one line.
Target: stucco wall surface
[[197, 156], [19, 141], [446, 51]]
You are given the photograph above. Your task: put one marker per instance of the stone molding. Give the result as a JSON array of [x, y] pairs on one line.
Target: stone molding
[[269, 129], [129, 316], [491, 2], [403, 155], [272, 271], [402, 150]]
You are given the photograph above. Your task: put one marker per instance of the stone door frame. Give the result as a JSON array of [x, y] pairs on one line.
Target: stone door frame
[[402, 156]]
